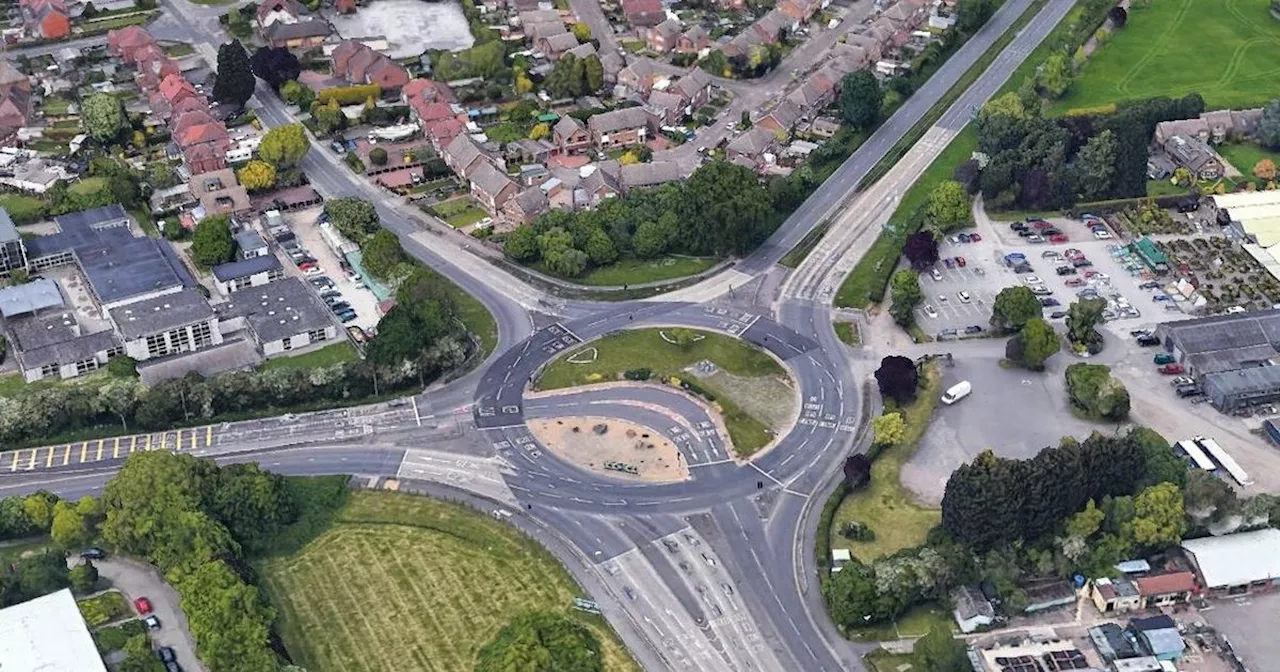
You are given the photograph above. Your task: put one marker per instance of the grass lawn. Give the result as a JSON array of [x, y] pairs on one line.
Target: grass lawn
[[97, 27], [88, 186], [55, 106], [635, 271], [848, 333], [11, 551], [405, 582], [1161, 51], [882, 258], [1244, 155], [329, 355], [459, 212], [180, 50], [1163, 188], [917, 622], [885, 506], [478, 320], [22, 208], [633, 46], [645, 348]]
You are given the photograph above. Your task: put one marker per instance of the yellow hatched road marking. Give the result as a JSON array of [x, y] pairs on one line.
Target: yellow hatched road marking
[[84, 451], [102, 442], [164, 441], [66, 456], [32, 465], [208, 436], [177, 445], [133, 443], [16, 453], [48, 462], [115, 452], [148, 446]]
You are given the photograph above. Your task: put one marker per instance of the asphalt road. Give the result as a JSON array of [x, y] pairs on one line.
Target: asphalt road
[[752, 521]]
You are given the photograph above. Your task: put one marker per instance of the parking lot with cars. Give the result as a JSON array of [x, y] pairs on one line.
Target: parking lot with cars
[[304, 247]]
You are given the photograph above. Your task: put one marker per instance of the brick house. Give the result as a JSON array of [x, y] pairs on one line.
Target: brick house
[[286, 23], [125, 42], [667, 106], [525, 206], [1194, 155], [357, 63], [570, 136], [153, 66], [463, 156], [694, 87], [664, 36], [491, 187], [693, 41], [643, 13], [46, 19], [620, 128], [638, 77], [555, 46], [782, 118]]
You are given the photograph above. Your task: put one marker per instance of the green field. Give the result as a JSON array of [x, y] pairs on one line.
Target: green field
[[885, 506], [400, 582], [329, 355], [646, 349], [635, 271], [1227, 51]]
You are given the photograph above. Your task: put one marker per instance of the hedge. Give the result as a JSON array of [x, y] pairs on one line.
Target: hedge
[[1121, 204], [350, 95], [822, 537], [104, 608]]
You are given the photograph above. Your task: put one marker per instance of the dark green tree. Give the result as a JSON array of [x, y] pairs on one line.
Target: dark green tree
[[251, 503], [1039, 342], [941, 652], [906, 293], [898, 379], [1083, 317], [275, 66], [383, 254], [725, 210], [212, 243], [1013, 307], [860, 99], [972, 15], [228, 618], [541, 642], [1268, 132], [234, 82], [83, 577], [356, 218], [1162, 464], [522, 244]]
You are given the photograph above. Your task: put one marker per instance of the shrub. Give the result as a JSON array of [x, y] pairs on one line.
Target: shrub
[[637, 374], [350, 95], [856, 531], [104, 608]]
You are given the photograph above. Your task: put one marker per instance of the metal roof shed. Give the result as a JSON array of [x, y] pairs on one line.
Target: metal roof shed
[[1235, 560]]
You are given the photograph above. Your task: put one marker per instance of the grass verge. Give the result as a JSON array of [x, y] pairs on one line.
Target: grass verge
[[797, 255], [917, 622], [848, 333], [631, 271], [445, 580], [329, 355], [885, 505]]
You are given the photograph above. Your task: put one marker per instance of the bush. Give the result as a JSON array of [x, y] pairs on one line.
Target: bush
[[856, 531], [104, 608], [822, 545], [114, 638], [378, 156], [350, 95], [637, 374]]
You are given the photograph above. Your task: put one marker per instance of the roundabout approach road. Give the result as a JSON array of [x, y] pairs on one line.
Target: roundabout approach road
[[712, 573]]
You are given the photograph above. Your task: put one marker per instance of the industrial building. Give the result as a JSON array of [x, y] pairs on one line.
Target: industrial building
[[1235, 564], [47, 633], [1233, 356]]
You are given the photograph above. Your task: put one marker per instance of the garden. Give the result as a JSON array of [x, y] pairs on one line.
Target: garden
[[1224, 276]]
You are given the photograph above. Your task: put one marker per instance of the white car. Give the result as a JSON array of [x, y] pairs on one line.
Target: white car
[[928, 310], [1032, 280], [935, 274], [964, 297], [1101, 235], [314, 270], [942, 298]]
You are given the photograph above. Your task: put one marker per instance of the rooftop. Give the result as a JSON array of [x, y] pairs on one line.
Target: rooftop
[[8, 231], [47, 633], [249, 240], [1235, 559], [161, 313], [246, 267], [278, 310], [1164, 584], [36, 295]]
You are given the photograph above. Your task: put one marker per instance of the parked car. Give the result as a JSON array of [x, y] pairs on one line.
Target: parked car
[[1072, 253], [1035, 238], [1023, 268], [1087, 293], [1164, 358], [1050, 231], [1150, 284], [964, 297], [1081, 262], [1065, 270], [166, 654], [1017, 226], [1032, 280], [151, 622], [1050, 254], [1183, 380], [962, 237], [1148, 341], [306, 266], [1187, 390], [1161, 297], [973, 329], [322, 281], [314, 270], [330, 294], [975, 238], [1058, 238], [142, 605], [340, 307], [337, 147], [942, 298], [1172, 369], [930, 311], [949, 263], [1102, 234], [1075, 282], [1058, 315], [1041, 225], [358, 334], [1040, 289], [347, 316], [935, 274], [960, 262], [93, 553], [1049, 302]]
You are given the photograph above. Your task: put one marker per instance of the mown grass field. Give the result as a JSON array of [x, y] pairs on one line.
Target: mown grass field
[[329, 355], [629, 271], [645, 348], [401, 582], [1228, 51]]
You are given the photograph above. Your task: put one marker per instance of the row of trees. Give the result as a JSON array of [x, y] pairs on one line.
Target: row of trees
[[1037, 163], [70, 524], [720, 210]]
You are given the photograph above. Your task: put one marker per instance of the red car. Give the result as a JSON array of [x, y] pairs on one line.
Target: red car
[[1041, 225], [1075, 282], [1058, 238], [306, 265], [1090, 274], [960, 262], [1072, 253], [143, 605], [1172, 369], [975, 238]]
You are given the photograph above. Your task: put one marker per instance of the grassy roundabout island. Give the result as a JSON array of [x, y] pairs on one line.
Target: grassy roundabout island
[[432, 583], [751, 389]]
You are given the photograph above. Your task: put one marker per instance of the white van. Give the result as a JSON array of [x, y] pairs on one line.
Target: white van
[[957, 392]]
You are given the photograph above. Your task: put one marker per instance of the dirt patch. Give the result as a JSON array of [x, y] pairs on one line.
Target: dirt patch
[[769, 399], [593, 443]]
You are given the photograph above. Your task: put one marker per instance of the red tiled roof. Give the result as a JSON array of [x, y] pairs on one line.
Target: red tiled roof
[[174, 85], [1165, 584], [200, 134]]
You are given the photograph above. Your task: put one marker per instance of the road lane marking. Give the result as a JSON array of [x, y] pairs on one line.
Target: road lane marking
[[208, 436], [14, 467], [66, 456], [101, 442], [84, 451], [164, 441], [148, 446], [32, 465], [48, 461]]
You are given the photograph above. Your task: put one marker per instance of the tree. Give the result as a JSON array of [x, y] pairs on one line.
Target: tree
[[1008, 105], [228, 619], [1095, 393], [683, 338], [1039, 343], [39, 509], [921, 249], [540, 131], [1096, 166], [296, 94], [1084, 523], [593, 73], [275, 66], [582, 31], [103, 117], [378, 156], [1162, 464], [382, 254], [941, 652], [234, 82], [1268, 132], [83, 577], [1118, 16], [860, 99], [122, 366], [541, 641], [1013, 307], [600, 249], [972, 15], [898, 379], [906, 293], [1083, 317], [857, 471], [1208, 500], [949, 208], [284, 146], [251, 503], [889, 429], [1265, 169], [355, 218], [212, 243], [724, 210], [257, 175], [1160, 520], [969, 175], [522, 244], [1053, 77], [73, 526], [138, 654]]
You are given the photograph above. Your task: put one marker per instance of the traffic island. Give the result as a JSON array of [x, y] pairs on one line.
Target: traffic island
[[612, 447]]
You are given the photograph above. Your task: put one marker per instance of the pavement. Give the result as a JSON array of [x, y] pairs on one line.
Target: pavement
[[138, 579]]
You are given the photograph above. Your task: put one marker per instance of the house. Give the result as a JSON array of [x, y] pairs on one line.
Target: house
[[421, 90], [1194, 155], [663, 37], [904, 15], [125, 42], [619, 128], [869, 44], [1236, 564], [175, 88], [750, 148], [782, 118], [732, 5], [555, 46], [583, 50], [525, 206], [153, 66], [1158, 636], [463, 156], [286, 23], [355, 62], [282, 316], [638, 175], [593, 184], [528, 151], [799, 11], [245, 274], [250, 245], [770, 27], [694, 87], [638, 77], [1217, 127], [643, 13], [204, 158], [46, 19], [491, 187], [442, 132], [570, 136], [15, 99], [220, 194], [613, 65], [278, 11], [1164, 590], [693, 41], [972, 610], [1114, 596], [668, 107]]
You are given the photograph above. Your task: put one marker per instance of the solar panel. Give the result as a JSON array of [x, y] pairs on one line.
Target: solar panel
[[1071, 659]]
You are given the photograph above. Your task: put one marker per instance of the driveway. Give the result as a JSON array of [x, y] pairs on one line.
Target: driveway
[[138, 579]]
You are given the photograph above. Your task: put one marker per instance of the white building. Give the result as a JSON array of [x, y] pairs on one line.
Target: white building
[[166, 325], [282, 316], [46, 634], [1235, 564], [252, 272]]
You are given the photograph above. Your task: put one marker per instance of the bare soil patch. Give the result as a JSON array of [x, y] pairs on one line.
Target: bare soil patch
[[591, 443]]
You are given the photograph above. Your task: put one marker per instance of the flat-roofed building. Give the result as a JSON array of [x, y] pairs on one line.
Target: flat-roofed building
[[246, 274], [166, 325], [1235, 564], [284, 316], [13, 253], [47, 634]]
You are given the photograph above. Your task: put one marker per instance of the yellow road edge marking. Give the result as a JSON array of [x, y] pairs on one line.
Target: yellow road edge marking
[[208, 436], [66, 456], [48, 462], [16, 453], [33, 459]]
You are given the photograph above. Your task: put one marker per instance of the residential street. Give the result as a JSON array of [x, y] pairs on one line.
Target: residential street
[[138, 579]]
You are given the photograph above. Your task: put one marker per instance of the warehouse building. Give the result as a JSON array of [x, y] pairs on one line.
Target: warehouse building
[[1235, 564], [47, 633], [1233, 356]]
